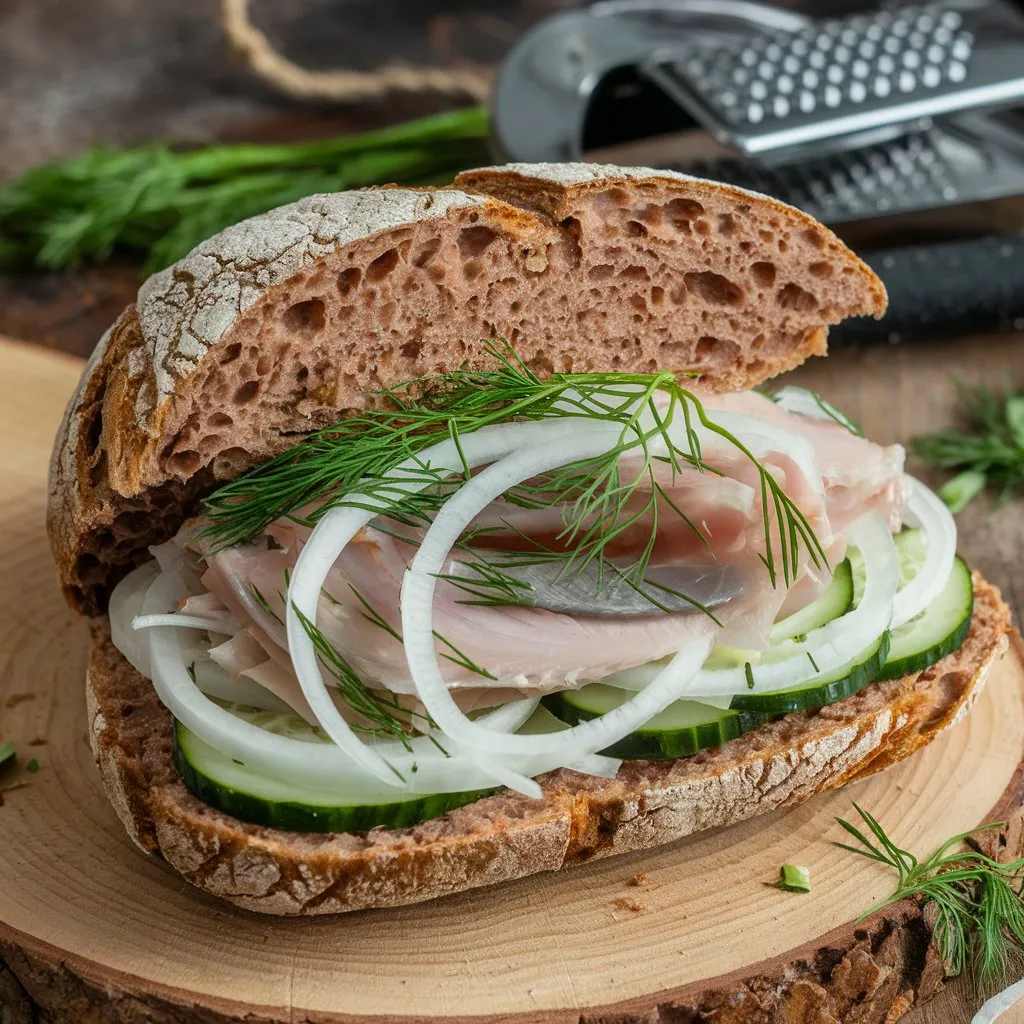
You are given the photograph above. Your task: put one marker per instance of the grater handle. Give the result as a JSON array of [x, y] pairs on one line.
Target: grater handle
[[965, 287]]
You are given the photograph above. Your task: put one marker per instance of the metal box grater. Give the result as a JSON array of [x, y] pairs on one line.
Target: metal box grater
[[624, 73], [780, 89]]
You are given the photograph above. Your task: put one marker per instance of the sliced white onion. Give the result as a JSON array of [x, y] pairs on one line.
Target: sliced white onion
[[417, 600], [220, 624], [929, 512], [601, 765], [125, 604], [319, 766], [837, 643], [806, 403], [340, 525], [215, 682]]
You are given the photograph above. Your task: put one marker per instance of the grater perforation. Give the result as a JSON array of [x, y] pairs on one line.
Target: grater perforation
[[778, 89]]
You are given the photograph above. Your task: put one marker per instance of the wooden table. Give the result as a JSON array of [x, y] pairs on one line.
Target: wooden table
[[76, 73]]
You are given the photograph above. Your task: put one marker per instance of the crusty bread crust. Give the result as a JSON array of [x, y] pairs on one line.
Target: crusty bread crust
[[509, 836], [286, 321]]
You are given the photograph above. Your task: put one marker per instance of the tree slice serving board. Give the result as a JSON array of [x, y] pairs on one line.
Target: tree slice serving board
[[91, 930]]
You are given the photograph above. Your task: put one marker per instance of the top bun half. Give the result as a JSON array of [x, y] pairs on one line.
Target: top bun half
[[284, 322]]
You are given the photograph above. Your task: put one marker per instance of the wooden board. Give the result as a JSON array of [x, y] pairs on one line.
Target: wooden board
[[92, 930]]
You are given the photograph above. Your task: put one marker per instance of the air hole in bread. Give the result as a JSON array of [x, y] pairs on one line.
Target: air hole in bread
[[763, 274], [714, 289], [473, 242], [822, 269], [263, 366], [783, 245], [383, 265], [766, 236], [612, 197], [638, 302], [309, 317], [230, 463], [231, 353], [348, 280], [657, 296], [758, 342], [702, 227], [185, 462], [678, 295], [726, 224], [426, 252], [601, 272], [635, 273], [220, 419], [719, 351], [746, 246], [411, 350], [542, 366], [814, 238], [472, 269], [246, 393], [569, 241], [94, 430], [681, 212], [792, 296], [635, 229]]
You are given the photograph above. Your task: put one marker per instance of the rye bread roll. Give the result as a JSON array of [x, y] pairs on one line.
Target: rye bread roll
[[285, 322]]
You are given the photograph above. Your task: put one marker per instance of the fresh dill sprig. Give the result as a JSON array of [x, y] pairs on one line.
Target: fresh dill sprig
[[989, 452], [978, 903], [356, 694], [605, 496], [157, 204]]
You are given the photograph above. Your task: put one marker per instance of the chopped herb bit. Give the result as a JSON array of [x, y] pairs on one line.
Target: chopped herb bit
[[748, 671], [190, 668], [793, 878], [814, 664], [978, 903], [32, 766], [7, 752]]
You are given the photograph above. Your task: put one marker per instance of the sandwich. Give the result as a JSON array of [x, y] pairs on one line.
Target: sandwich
[[434, 538]]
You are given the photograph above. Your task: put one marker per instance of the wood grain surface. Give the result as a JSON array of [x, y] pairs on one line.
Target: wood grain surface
[[73, 891]]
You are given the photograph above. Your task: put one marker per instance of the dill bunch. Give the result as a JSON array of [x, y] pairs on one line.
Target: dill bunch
[[988, 453], [978, 902], [156, 204]]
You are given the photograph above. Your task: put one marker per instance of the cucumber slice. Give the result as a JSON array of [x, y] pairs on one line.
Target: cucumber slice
[[939, 630], [833, 602], [247, 794], [681, 729], [843, 683]]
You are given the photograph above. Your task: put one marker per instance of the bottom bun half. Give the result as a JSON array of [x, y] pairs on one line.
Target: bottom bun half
[[508, 836]]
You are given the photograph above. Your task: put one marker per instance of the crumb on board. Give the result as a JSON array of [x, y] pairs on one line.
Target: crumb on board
[[39, 741], [18, 698], [627, 903], [640, 878]]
